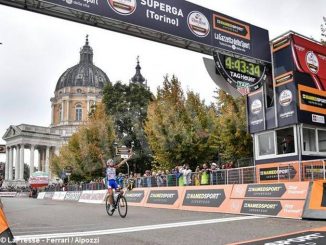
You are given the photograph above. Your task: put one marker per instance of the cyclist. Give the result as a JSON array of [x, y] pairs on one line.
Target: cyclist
[[110, 177]]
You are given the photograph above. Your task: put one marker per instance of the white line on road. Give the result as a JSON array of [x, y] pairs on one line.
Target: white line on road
[[133, 229]]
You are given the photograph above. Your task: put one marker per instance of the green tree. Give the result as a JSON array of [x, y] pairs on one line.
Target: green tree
[[84, 147], [234, 140], [127, 104], [180, 129]]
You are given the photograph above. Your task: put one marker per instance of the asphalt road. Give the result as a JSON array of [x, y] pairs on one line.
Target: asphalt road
[[44, 221]]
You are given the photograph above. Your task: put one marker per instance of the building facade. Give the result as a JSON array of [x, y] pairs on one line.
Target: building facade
[[78, 89]]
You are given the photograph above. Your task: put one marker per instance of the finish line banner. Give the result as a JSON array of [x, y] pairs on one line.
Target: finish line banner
[[181, 19]]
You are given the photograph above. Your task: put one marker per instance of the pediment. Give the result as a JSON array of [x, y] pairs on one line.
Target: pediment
[[12, 131]]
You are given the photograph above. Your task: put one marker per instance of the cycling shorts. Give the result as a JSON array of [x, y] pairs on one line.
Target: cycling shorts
[[112, 184]]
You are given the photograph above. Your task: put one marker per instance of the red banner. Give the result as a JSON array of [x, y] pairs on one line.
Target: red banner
[[310, 57]]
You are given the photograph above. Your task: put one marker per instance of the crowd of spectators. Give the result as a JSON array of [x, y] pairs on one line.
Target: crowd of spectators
[[207, 174]]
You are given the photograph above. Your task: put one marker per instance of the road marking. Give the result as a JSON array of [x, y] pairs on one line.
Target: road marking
[[135, 228]]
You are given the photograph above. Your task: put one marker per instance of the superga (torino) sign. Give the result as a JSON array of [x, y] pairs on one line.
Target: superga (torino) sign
[[179, 19]]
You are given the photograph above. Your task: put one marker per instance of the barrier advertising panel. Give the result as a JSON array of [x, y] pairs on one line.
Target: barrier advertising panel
[[98, 197], [166, 197], [316, 202], [291, 190], [206, 198], [8, 194], [283, 172], [72, 195], [85, 196], [59, 195], [279, 208], [181, 19], [41, 195], [48, 195], [136, 197]]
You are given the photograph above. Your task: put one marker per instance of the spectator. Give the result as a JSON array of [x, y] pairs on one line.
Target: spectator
[[204, 175], [159, 179], [213, 174], [179, 177], [196, 177], [147, 179], [186, 172], [169, 177]]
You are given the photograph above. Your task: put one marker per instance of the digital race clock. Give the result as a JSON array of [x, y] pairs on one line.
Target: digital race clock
[[242, 66], [245, 75]]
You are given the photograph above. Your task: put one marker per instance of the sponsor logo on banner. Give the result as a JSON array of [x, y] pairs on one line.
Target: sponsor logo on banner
[[123, 7], [318, 119], [48, 195], [269, 190], [8, 194], [232, 27], [72, 195], [198, 24], [275, 173], [285, 97], [204, 198], [256, 106], [41, 195], [313, 100], [135, 196], [261, 207], [312, 62], [163, 197]]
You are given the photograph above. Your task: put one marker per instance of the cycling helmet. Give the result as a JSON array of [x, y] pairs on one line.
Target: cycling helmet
[[110, 162]]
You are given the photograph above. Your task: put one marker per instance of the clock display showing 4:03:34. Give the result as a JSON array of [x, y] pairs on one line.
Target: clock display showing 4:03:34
[[242, 66]]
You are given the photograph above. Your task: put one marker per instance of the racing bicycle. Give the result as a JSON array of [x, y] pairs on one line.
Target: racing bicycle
[[119, 202]]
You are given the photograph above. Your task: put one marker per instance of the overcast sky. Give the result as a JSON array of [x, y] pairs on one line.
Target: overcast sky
[[37, 49]]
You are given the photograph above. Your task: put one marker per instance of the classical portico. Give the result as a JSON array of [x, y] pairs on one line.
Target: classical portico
[[46, 141]]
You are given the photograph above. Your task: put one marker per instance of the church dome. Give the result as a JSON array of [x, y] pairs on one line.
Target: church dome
[[85, 73]]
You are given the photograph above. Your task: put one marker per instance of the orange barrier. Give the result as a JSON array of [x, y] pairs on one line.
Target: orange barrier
[[164, 197], [284, 200], [316, 202], [289, 190], [278, 208], [137, 197], [206, 198], [6, 236]]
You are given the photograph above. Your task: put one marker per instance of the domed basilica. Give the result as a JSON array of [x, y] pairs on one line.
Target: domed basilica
[[77, 90]]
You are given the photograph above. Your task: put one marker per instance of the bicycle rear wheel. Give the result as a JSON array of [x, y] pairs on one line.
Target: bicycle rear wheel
[[108, 205], [122, 206]]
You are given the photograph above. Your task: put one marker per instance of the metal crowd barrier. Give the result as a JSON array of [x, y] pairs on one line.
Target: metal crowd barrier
[[306, 171]]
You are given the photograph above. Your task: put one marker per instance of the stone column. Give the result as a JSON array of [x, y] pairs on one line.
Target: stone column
[[11, 159], [47, 159], [17, 163], [40, 159], [21, 168], [67, 102], [62, 111], [31, 160], [7, 163]]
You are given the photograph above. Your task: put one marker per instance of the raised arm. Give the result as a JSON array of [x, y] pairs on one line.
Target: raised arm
[[124, 161]]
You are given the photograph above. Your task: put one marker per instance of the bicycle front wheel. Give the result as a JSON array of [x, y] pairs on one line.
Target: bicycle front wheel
[[122, 206], [107, 206]]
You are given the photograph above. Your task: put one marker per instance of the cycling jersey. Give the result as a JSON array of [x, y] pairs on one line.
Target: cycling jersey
[[110, 173]]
